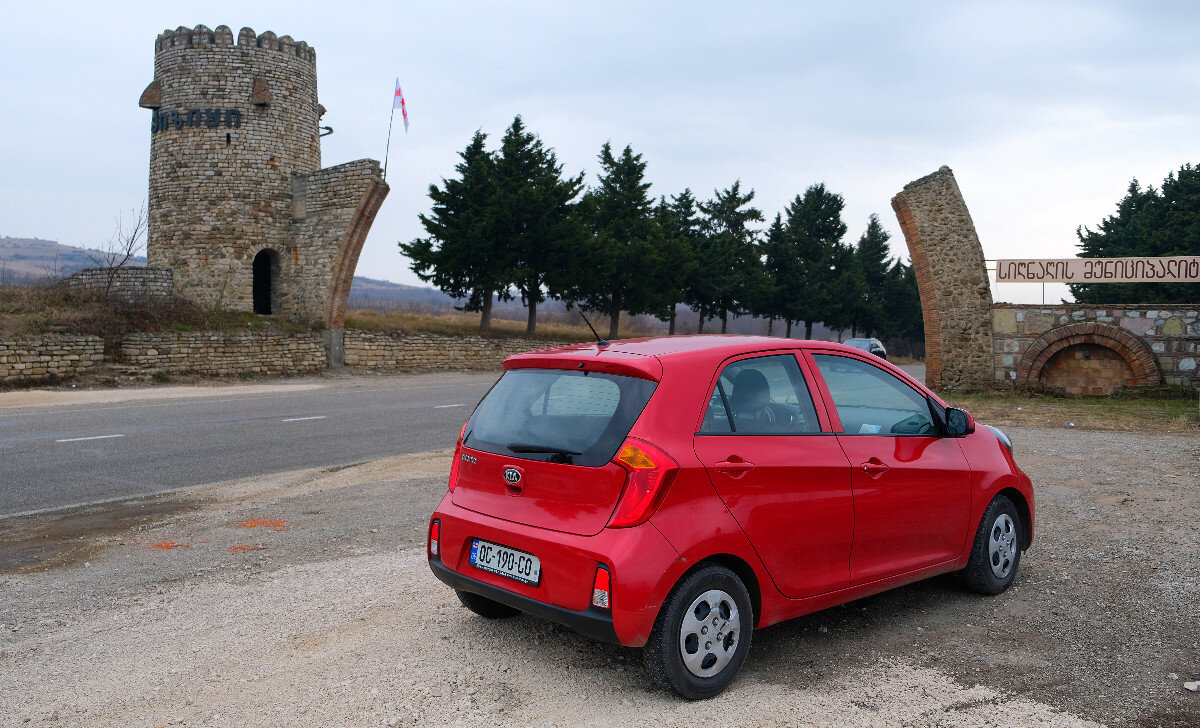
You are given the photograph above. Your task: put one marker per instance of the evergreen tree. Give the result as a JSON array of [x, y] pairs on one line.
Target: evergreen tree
[[533, 217], [729, 259], [460, 255], [814, 225], [676, 232], [848, 281], [620, 256], [1148, 222], [770, 303], [903, 318], [874, 261]]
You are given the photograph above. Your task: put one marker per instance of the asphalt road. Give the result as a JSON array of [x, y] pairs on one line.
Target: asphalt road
[[61, 455], [76, 451]]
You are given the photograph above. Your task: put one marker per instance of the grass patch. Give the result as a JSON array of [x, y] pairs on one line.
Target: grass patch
[[463, 323], [27, 311], [1130, 411]]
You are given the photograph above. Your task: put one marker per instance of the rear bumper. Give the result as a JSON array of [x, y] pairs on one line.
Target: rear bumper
[[636, 558], [592, 622]]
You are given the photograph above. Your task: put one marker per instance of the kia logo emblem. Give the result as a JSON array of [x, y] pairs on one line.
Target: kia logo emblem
[[512, 476]]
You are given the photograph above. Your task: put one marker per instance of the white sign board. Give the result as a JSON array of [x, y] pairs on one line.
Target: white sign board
[[1179, 269]]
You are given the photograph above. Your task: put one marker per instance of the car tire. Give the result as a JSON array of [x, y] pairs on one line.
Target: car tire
[[683, 654], [996, 552], [484, 607]]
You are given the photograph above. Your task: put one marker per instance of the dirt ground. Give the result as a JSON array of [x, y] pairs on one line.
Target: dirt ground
[[304, 599]]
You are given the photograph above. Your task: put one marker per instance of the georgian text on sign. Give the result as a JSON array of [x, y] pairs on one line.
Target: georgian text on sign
[[1177, 269]]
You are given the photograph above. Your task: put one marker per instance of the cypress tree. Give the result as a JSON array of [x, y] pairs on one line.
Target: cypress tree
[[620, 242], [460, 255], [533, 218], [874, 261], [1147, 222], [730, 255]]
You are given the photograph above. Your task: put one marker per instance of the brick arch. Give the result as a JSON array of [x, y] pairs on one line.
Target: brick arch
[[1133, 350]]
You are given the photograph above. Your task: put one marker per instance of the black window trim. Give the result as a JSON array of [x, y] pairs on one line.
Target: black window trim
[[796, 354], [938, 422]]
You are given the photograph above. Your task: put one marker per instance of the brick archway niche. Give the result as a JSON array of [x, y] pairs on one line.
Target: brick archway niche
[[1089, 358], [956, 301]]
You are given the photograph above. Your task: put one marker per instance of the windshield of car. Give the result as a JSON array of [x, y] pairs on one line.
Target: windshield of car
[[558, 415], [860, 343]]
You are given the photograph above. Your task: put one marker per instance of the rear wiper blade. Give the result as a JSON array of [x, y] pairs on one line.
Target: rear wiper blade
[[525, 447]]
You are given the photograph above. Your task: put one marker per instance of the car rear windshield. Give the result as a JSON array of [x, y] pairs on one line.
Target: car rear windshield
[[558, 415]]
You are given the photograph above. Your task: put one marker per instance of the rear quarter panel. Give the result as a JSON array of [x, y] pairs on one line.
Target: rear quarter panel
[[692, 517]]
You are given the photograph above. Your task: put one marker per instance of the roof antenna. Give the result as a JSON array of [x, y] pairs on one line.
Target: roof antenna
[[599, 341]]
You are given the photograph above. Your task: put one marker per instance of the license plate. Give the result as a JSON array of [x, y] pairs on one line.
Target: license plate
[[518, 565]]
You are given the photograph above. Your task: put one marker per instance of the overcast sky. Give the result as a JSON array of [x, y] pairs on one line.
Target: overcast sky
[[1044, 110]]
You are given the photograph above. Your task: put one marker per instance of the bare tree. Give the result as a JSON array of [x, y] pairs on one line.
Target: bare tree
[[123, 246]]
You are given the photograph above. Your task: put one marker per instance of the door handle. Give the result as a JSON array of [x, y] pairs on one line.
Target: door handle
[[875, 467], [735, 466]]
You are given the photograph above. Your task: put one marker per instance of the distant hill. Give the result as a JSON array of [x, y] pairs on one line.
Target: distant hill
[[25, 260], [374, 293], [29, 260]]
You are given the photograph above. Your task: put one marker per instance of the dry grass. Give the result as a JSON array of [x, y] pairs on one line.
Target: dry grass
[[1168, 410], [39, 310], [462, 323]]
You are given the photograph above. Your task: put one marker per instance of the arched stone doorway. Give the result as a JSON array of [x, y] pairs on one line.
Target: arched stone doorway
[[1089, 358], [266, 282]]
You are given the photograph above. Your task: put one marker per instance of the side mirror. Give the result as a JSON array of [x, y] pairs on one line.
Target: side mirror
[[959, 422]]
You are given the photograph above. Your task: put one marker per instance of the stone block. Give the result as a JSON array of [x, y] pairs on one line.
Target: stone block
[[1004, 321]]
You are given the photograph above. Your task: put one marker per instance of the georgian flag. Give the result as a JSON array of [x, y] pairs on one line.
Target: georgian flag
[[398, 103]]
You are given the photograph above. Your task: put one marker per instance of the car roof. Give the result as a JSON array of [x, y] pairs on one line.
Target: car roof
[[700, 347]]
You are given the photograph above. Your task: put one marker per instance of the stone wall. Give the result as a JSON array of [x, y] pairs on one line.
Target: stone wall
[[425, 352], [219, 354], [29, 361], [336, 206], [131, 282], [951, 275], [235, 170], [1158, 344]]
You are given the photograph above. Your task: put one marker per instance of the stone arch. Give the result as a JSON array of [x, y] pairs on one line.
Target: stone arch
[[348, 250], [1133, 350], [956, 301]]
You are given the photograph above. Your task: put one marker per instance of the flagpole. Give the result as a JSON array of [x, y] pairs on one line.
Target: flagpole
[[388, 148]]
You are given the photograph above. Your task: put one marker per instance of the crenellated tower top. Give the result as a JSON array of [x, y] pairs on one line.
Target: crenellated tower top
[[201, 37]]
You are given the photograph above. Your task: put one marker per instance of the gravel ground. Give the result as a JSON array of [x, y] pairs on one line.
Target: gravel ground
[[304, 599]]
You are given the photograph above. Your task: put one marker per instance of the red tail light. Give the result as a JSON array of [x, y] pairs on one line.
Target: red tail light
[[457, 456], [649, 475], [435, 535], [600, 588]]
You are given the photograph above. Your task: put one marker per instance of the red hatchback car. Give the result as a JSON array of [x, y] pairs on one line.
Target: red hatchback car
[[676, 493]]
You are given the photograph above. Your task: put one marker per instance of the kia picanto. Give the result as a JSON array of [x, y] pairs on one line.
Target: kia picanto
[[676, 493]]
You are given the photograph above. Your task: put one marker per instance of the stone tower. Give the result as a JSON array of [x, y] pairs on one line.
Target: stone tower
[[240, 210]]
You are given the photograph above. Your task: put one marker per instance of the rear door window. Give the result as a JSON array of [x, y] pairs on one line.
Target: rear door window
[[558, 415], [870, 401], [765, 395]]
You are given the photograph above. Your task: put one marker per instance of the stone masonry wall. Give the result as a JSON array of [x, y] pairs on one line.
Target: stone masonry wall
[[235, 170], [220, 193], [134, 282], [956, 300], [426, 352], [31, 361], [28, 361], [332, 210], [217, 354], [1162, 338]]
